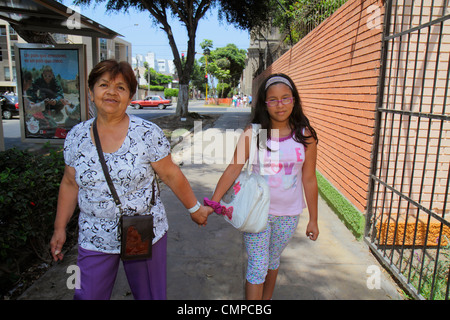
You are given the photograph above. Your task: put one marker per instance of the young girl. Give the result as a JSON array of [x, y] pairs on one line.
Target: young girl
[[291, 137]]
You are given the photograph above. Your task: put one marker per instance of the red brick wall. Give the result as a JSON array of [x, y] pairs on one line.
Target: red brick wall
[[336, 68]]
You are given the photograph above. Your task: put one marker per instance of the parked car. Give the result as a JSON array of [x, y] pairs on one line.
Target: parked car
[[10, 106], [151, 101]]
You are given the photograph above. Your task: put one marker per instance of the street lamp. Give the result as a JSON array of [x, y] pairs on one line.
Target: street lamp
[[131, 25]]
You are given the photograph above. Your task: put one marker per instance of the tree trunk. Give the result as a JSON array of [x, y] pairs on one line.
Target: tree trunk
[[183, 101], [189, 13]]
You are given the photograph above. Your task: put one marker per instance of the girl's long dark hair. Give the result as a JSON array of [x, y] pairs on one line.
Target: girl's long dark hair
[[297, 120]]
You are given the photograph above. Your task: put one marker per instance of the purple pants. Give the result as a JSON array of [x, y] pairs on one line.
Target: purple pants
[[147, 278]]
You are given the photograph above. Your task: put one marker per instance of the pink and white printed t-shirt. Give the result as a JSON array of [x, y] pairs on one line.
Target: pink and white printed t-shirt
[[283, 173]]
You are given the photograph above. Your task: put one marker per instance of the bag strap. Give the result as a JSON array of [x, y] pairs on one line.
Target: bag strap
[[108, 177], [104, 167], [155, 178], [255, 150], [251, 155]]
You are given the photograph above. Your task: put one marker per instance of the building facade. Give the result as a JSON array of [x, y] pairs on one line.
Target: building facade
[[8, 37], [97, 49], [266, 46]]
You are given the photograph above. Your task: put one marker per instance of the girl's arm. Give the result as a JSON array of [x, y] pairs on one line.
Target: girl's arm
[[173, 177], [241, 154], [310, 188], [67, 202]]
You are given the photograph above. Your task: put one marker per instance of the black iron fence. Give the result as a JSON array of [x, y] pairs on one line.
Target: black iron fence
[[408, 225]]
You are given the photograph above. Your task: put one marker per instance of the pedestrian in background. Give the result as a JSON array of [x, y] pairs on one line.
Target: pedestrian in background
[[133, 148], [278, 109]]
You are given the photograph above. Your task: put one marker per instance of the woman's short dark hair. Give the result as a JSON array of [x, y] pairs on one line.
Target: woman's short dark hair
[[114, 68]]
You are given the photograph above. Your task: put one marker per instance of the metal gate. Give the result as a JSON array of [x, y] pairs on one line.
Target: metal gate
[[407, 222]]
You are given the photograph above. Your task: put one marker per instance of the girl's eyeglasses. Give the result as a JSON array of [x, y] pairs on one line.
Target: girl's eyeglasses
[[274, 103]]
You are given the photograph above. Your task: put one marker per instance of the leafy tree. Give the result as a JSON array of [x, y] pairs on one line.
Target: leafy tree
[[225, 64], [222, 75], [297, 17], [198, 77], [230, 58], [206, 46], [224, 89], [156, 78], [244, 14]]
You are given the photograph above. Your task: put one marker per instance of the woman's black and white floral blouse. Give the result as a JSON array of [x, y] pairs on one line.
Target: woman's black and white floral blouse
[[132, 175]]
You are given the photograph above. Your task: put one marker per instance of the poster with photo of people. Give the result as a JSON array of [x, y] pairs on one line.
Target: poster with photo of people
[[51, 90]]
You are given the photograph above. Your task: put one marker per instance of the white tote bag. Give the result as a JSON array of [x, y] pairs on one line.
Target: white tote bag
[[246, 204]]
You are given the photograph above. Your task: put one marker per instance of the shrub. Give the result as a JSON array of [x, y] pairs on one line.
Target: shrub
[[168, 93], [152, 88], [29, 186], [347, 213]]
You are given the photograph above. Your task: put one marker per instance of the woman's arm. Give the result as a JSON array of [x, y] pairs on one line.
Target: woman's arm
[[67, 202], [172, 176], [310, 188]]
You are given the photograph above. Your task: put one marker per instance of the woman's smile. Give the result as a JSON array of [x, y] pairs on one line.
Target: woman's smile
[[110, 100]]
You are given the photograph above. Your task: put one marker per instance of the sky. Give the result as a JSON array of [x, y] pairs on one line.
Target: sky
[[146, 37]]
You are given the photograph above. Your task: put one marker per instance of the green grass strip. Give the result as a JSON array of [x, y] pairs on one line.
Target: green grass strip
[[352, 218]]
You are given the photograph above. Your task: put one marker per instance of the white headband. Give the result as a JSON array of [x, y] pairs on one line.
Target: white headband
[[278, 79]]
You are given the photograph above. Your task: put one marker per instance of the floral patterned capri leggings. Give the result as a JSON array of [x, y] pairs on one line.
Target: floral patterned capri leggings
[[264, 248]]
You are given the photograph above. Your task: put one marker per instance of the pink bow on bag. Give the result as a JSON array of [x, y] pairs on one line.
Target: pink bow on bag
[[219, 209], [227, 212]]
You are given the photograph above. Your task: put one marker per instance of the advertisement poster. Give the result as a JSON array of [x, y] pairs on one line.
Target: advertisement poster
[[51, 90]]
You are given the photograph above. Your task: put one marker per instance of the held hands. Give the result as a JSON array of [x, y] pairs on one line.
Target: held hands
[[201, 215]]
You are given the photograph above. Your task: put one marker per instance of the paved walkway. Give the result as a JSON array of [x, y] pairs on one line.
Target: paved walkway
[[209, 263]]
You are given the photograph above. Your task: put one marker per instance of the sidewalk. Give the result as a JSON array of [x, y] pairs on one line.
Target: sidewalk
[[209, 263]]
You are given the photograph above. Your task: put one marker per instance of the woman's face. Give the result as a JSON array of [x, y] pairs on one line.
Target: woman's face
[[280, 112], [48, 76], [111, 96]]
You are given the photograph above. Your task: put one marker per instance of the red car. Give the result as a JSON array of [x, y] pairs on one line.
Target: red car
[[151, 101]]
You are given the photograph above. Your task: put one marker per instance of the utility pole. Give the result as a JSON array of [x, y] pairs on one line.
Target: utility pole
[[206, 76]]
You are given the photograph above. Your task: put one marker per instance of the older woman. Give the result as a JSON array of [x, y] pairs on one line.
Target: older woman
[[133, 148]]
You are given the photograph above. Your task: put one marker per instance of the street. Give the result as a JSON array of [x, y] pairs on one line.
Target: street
[[194, 106], [11, 128]]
